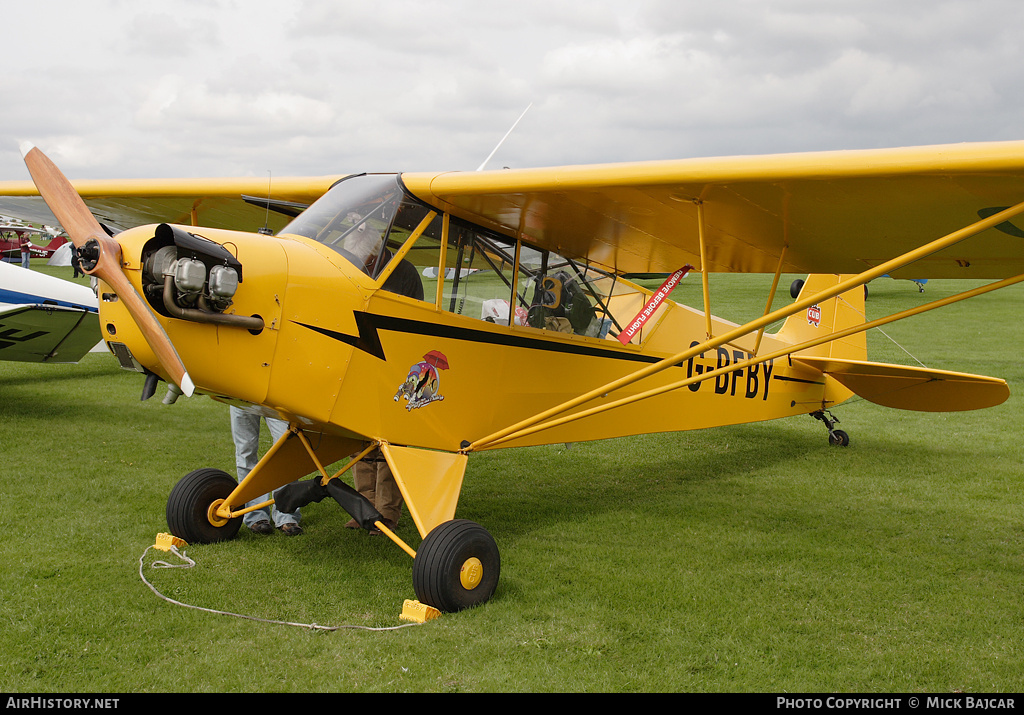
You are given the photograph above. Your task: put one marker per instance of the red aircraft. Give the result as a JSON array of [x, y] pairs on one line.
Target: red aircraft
[[10, 241]]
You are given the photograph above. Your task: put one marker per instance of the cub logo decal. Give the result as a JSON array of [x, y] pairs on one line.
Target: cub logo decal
[[814, 315]]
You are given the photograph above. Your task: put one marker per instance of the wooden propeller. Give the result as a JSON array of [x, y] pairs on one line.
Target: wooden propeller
[[85, 233]]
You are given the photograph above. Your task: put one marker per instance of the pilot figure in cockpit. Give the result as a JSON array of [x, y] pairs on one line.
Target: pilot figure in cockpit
[[366, 247], [560, 304]]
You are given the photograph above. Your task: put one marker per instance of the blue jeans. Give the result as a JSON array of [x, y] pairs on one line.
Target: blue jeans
[[245, 431]]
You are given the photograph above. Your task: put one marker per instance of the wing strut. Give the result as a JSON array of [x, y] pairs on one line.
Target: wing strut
[[743, 364], [771, 297], [950, 239], [704, 267]]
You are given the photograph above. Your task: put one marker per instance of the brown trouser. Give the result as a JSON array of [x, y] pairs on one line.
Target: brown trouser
[[373, 479]]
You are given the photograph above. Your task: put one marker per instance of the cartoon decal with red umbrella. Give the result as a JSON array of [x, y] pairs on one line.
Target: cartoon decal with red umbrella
[[421, 385]]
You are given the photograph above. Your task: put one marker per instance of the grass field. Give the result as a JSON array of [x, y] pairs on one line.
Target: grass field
[[755, 558]]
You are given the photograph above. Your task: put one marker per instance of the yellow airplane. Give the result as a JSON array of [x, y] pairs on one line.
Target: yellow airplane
[[389, 305]]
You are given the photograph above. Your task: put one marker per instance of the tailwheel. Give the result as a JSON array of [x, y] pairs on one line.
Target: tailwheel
[[836, 437], [456, 566], [192, 505]]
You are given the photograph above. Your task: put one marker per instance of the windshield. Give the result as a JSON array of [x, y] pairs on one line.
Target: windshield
[[354, 218]]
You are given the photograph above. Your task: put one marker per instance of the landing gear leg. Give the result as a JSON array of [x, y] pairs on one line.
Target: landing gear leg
[[836, 437]]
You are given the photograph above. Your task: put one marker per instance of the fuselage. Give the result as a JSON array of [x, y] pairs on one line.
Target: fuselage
[[495, 331]]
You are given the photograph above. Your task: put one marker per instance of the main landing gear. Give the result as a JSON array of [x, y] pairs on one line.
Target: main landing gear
[[836, 437], [192, 507], [456, 567]]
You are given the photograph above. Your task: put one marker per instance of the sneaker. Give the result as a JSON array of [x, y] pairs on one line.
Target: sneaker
[[290, 529], [262, 527]]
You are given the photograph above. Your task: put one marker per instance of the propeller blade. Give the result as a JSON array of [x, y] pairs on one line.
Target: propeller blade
[[83, 228]]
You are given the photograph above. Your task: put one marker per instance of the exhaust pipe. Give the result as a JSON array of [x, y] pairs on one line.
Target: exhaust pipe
[[198, 315]]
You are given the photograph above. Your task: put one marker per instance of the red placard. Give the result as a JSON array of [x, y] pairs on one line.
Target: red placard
[[652, 305]]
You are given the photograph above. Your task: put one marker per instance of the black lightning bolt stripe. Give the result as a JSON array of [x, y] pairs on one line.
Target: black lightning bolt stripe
[[368, 339], [369, 324]]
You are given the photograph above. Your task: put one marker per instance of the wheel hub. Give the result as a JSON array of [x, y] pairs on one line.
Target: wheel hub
[[471, 573], [212, 515]]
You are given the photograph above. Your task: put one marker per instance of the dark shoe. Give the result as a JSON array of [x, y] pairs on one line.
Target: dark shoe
[[262, 527], [352, 524], [291, 529]]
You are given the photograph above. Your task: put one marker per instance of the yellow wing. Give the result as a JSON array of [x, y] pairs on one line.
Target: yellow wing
[[836, 212], [239, 204], [833, 212]]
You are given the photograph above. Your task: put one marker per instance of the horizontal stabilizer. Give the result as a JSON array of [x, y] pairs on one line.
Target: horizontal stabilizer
[[913, 388]]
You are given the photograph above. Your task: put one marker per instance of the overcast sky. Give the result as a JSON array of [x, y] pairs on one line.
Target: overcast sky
[[177, 88]]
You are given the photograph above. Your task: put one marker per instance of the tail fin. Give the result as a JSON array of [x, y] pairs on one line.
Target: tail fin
[[844, 311], [55, 243]]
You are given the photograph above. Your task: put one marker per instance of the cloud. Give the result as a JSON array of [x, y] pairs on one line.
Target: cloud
[[183, 87], [163, 36], [176, 101]]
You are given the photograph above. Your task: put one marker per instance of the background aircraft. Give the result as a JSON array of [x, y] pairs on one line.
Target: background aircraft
[[309, 325], [10, 240], [45, 319]]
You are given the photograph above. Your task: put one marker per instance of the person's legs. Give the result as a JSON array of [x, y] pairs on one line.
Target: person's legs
[[278, 428], [373, 479], [364, 478], [245, 432], [389, 496]]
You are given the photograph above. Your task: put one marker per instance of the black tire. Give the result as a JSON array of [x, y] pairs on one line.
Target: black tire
[[456, 567], [838, 438], [189, 504], [795, 287]]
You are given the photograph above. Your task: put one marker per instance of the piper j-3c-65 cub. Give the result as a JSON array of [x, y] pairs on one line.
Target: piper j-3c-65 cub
[[373, 319]]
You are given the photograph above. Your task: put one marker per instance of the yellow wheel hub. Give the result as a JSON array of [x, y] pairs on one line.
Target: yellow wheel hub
[[211, 514], [471, 574]]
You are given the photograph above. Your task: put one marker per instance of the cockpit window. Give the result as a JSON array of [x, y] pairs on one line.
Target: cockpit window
[[477, 273], [568, 296], [354, 218]]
